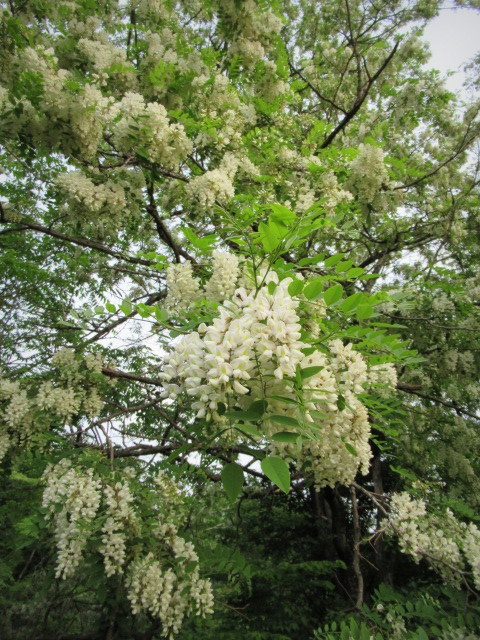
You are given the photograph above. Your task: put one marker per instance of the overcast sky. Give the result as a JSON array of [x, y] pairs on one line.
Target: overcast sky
[[454, 38]]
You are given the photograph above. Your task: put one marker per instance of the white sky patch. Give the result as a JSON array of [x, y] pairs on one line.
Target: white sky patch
[[454, 38]]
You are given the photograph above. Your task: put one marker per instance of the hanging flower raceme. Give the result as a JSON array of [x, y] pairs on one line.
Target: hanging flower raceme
[[450, 546], [91, 514], [254, 351]]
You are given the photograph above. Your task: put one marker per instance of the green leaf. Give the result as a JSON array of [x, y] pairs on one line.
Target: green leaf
[[174, 455], [295, 287], [313, 289], [341, 404], [258, 407], [269, 238], [355, 272], [352, 301], [126, 307], [286, 420], [161, 314], [285, 436], [282, 215], [143, 310], [343, 266], [333, 294], [308, 372], [350, 448], [277, 471], [318, 415], [249, 429], [254, 412], [332, 261], [285, 399], [364, 311], [298, 377], [110, 307], [232, 480], [404, 472], [203, 244]]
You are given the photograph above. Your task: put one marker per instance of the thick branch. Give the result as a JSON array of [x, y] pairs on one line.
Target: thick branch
[[82, 242], [111, 372], [298, 72], [359, 101], [163, 233], [445, 403], [356, 548]]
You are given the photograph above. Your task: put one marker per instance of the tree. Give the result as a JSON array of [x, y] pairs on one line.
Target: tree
[[240, 257]]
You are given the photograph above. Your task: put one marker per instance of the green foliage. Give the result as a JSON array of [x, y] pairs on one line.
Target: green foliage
[[312, 144], [418, 614]]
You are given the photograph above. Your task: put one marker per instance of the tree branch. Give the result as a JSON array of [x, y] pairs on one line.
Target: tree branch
[[356, 547], [163, 233], [425, 396], [111, 372], [82, 242], [359, 101]]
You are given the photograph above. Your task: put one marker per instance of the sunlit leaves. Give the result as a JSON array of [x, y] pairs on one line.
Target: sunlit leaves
[[276, 470]]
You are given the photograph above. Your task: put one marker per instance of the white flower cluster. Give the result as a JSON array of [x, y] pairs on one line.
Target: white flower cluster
[[442, 540], [255, 326], [169, 588], [251, 352], [72, 498], [368, 174], [153, 9], [86, 111], [225, 273], [216, 185], [383, 377], [73, 392], [165, 581], [172, 500], [166, 593], [148, 126], [471, 549], [5, 444], [18, 405], [63, 401], [55, 100], [89, 114], [332, 191], [16, 415], [219, 101], [270, 86], [442, 303], [102, 56], [340, 447], [120, 514], [183, 289], [85, 197], [255, 30]]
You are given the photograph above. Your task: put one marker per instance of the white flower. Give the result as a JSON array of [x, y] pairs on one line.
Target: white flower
[[250, 352], [224, 276], [182, 288], [368, 173]]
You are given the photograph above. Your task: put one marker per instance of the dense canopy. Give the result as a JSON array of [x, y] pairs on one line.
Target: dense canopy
[[240, 338]]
